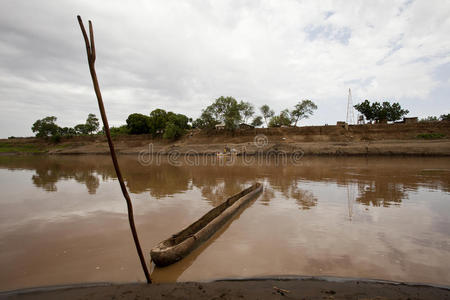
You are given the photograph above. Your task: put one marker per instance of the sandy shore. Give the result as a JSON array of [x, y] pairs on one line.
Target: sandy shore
[[287, 288]]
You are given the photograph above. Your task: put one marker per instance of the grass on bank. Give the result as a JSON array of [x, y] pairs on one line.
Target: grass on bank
[[25, 148], [431, 136]]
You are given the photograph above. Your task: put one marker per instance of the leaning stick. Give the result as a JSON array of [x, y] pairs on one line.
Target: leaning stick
[[90, 49]]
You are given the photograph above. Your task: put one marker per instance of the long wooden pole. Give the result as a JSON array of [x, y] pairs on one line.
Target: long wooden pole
[[90, 50]]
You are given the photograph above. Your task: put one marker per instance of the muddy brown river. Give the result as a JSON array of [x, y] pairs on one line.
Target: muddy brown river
[[63, 218]]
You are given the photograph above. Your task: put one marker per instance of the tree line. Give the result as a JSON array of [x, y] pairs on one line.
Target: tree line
[[169, 125], [386, 111], [224, 111], [444, 117], [47, 127]]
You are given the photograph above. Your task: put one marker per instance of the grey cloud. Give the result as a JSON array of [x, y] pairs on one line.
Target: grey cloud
[[182, 55]]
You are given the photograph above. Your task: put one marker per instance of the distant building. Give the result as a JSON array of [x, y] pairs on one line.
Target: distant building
[[220, 126], [410, 120], [361, 119], [342, 124], [246, 126]]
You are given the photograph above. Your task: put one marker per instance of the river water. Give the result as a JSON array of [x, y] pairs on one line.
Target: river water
[[63, 218]]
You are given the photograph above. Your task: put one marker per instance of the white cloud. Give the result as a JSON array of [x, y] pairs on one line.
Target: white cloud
[[182, 55]]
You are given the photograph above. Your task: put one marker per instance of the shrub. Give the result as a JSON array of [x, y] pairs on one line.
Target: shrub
[[56, 138], [429, 119], [430, 136], [121, 130], [172, 131]]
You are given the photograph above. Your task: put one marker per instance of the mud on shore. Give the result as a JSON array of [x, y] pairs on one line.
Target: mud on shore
[[288, 288]]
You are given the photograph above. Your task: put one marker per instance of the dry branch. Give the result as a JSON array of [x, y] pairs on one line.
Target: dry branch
[[90, 50]]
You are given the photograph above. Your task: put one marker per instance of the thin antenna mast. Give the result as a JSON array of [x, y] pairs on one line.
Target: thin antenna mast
[[350, 115]]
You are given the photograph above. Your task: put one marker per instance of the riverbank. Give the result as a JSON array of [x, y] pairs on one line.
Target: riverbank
[[439, 147], [421, 139], [288, 288]]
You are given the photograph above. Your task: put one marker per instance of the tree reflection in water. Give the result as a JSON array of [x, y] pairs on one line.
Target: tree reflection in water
[[380, 182], [305, 199], [47, 179]]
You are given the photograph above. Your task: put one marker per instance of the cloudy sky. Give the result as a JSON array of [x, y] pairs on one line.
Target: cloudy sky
[[181, 55]]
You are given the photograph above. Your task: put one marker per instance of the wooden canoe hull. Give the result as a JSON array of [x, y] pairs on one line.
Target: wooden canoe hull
[[181, 244]]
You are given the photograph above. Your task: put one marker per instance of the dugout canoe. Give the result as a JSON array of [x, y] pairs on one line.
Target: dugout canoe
[[182, 243]]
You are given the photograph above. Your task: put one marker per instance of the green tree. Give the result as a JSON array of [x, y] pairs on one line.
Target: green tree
[[381, 112], [67, 131], [92, 124], [232, 117], [176, 126], [157, 122], [391, 112], [257, 121], [172, 131], [365, 109], [179, 120], [138, 123], [45, 127], [247, 110], [267, 113], [302, 110], [89, 127], [206, 121], [283, 119], [445, 117], [81, 129], [168, 124], [121, 130], [226, 110]]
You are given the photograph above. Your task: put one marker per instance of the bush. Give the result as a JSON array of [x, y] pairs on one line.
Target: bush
[[430, 136], [121, 130], [172, 131], [81, 129], [429, 119], [67, 132], [206, 121], [283, 119], [56, 138]]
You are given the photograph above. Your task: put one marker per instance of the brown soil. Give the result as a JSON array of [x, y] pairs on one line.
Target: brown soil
[[242, 289], [379, 139]]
